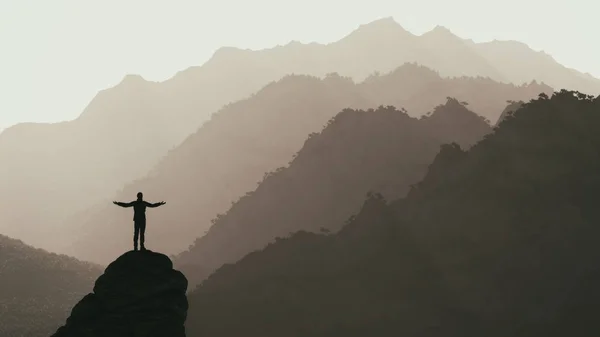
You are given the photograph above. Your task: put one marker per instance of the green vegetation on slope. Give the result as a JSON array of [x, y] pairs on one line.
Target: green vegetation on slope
[[499, 240]]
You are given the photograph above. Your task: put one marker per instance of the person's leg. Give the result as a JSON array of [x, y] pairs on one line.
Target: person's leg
[[136, 231], [142, 234]]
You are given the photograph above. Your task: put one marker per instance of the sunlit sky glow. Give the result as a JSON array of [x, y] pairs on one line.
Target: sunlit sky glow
[[55, 55]]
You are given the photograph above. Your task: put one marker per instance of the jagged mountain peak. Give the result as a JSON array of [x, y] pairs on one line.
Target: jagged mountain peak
[[456, 111], [387, 21], [441, 29], [440, 33], [133, 79], [453, 105], [384, 28]]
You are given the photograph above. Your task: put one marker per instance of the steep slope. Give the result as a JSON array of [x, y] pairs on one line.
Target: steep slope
[[37, 288], [453, 56], [139, 294], [509, 110], [229, 155], [499, 240], [359, 151], [521, 64]]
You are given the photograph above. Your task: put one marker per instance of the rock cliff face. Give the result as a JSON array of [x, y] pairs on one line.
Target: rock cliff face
[[139, 294]]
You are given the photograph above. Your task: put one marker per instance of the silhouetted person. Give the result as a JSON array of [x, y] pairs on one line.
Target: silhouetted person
[[139, 217]]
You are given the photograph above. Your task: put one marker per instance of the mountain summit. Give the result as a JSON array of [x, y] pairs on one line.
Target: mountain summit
[[387, 27], [139, 294]]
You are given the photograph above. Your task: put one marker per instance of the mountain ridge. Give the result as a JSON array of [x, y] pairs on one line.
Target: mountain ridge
[[162, 115], [496, 240], [389, 27], [317, 191], [260, 134]]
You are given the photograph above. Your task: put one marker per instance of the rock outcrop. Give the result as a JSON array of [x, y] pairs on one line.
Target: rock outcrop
[[139, 294]]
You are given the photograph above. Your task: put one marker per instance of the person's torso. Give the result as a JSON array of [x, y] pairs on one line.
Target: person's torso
[[139, 210]]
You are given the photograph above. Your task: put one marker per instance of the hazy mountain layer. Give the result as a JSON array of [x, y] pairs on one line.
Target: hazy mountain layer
[[61, 169], [382, 150], [499, 240], [38, 289], [382, 45], [230, 154]]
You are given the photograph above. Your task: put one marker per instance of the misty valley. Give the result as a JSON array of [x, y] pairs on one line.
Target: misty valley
[[384, 184]]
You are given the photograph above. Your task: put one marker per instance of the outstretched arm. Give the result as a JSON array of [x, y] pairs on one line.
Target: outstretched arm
[[156, 204], [123, 204]]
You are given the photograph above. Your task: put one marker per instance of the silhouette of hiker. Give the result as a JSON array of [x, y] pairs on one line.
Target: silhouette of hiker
[[139, 217]]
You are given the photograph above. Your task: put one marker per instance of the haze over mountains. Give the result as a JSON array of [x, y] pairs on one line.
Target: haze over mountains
[[383, 45], [499, 240], [359, 152], [255, 145], [125, 130], [230, 154]]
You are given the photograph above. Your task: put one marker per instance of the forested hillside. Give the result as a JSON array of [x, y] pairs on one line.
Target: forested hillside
[[499, 240], [382, 150], [38, 289]]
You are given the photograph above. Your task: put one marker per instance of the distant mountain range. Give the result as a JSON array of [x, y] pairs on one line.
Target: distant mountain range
[[383, 45], [38, 288], [58, 170], [230, 154]]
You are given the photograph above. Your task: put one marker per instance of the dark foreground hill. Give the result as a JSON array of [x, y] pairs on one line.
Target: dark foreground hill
[[139, 295], [499, 240], [229, 154], [359, 151], [37, 288]]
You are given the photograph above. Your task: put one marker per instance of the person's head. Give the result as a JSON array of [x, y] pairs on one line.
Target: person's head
[[140, 195]]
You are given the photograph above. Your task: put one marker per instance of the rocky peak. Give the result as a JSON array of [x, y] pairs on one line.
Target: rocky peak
[[139, 295]]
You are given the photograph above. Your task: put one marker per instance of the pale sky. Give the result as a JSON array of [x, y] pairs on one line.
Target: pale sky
[[56, 54]]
